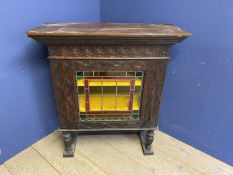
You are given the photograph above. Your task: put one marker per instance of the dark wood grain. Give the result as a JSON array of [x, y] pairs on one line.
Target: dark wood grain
[[107, 52], [107, 33], [107, 29]]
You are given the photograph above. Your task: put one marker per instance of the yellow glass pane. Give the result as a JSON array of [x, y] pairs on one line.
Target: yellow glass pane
[[95, 103], [123, 82], [105, 83], [122, 103], [82, 103], [95, 83], [109, 103], [138, 82], [80, 81], [136, 102], [109, 94]]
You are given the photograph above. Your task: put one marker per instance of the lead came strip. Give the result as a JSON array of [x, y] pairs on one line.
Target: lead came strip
[[87, 95]]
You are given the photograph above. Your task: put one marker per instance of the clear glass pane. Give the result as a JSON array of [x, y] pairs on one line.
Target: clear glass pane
[[112, 117], [131, 74], [109, 90], [95, 90], [90, 117], [108, 73], [138, 74], [137, 90], [123, 90], [135, 116], [82, 117], [78, 74], [81, 90], [88, 73]]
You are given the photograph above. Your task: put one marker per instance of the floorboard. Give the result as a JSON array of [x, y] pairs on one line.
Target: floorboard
[[113, 155], [29, 162], [4, 170], [190, 156], [51, 148]]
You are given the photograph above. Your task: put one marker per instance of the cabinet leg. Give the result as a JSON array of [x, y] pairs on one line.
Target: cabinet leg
[[69, 143], [146, 138]]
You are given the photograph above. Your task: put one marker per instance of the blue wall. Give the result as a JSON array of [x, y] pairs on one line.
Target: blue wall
[[27, 107], [197, 103]]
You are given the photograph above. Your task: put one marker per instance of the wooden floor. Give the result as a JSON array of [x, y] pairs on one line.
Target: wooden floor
[[113, 155]]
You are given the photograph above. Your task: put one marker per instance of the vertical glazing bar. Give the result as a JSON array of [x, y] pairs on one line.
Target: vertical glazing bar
[[116, 93], [132, 88], [76, 82], [102, 89], [140, 93], [87, 104]]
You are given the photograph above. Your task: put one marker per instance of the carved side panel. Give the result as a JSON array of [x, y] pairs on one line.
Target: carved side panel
[[64, 93], [154, 90]]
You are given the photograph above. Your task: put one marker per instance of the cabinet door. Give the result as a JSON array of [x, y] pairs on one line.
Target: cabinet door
[[100, 94], [109, 95]]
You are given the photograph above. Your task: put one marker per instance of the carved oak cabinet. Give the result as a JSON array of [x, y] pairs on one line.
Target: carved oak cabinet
[[108, 77]]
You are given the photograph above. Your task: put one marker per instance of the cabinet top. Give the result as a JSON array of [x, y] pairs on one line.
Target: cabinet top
[[82, 32]]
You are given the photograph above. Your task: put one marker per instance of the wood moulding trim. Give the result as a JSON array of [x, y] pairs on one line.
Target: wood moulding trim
[[108, 34], [105, 58], [109, 129], [85, 40]]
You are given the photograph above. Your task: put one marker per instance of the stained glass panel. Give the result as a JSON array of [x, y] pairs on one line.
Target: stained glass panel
[[109, 95]]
